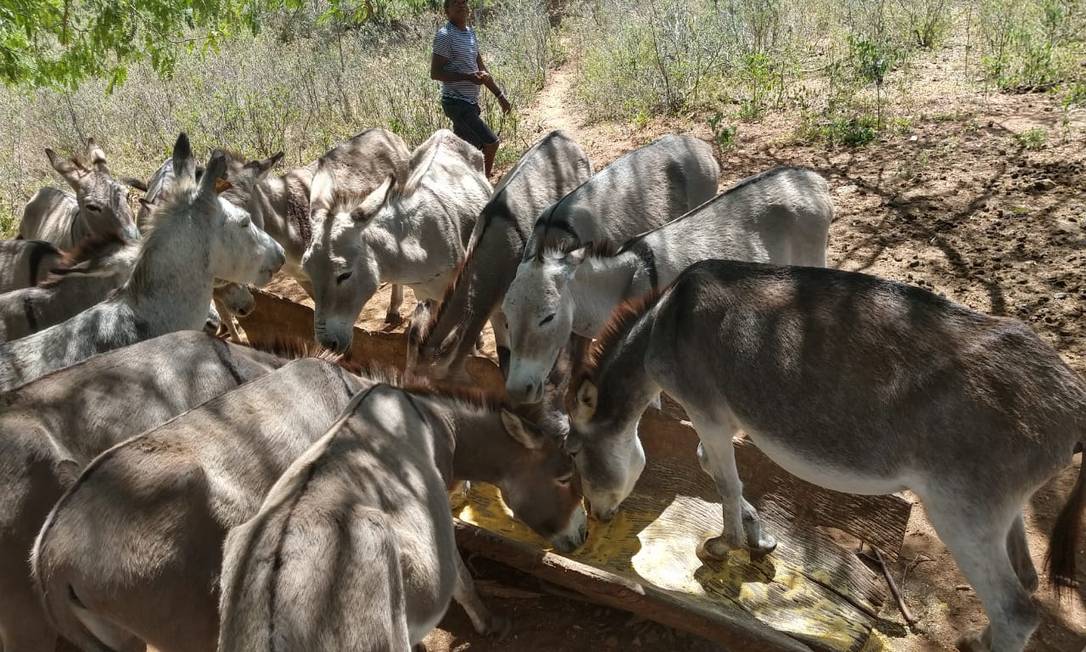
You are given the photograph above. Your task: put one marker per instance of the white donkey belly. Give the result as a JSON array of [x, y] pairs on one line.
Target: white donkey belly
[[837, 475]]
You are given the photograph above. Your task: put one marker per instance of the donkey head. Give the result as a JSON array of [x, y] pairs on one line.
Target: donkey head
[[239, 251], [103, 201], [540, 486], [605, 449], [540, 316], [244, 178], [235, 298], [339, 260]]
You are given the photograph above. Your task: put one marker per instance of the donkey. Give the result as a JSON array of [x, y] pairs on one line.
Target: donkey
[[877, 387], [282, 205], [347, 526], [641, 190], [160, 504], [100, 205], [229, 299], [781, 216], [410, 231], [197, 238], [25, 263], [551, 168], [52, 427], [84, 277]]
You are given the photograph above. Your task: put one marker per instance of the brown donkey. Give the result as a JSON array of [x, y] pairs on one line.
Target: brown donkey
[[856, 384]]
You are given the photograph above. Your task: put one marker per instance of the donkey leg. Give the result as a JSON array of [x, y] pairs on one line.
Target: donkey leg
[[484, 621], [1018, 550], [395, 300], [978, 544], [742, 527]]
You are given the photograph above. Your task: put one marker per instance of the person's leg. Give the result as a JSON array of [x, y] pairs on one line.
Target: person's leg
[[468, 124]]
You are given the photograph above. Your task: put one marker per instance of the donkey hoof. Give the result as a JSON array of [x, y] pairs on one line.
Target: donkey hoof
[[762, 547], [715, 548]]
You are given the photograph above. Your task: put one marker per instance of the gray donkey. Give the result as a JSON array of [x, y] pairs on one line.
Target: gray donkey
[[551, 168], [856, 384], [84, 277], [99, 207], [135, 545], [282, 205], [781, 216], [52, 427], [641, 190], [25, 263], [410, 231], [354, 547], [197, 238], [230, 299]]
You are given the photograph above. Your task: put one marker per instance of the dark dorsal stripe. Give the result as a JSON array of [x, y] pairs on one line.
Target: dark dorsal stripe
[[298, 209], [221, 349], [648, 258], [37, 252], [28, 312]]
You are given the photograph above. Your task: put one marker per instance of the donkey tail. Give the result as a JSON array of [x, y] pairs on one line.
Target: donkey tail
[[1064, 541]]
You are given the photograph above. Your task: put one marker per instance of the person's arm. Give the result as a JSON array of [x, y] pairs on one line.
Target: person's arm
[[488, 80], [438, 72]]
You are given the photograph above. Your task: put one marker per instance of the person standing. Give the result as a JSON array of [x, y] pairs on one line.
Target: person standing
[[458, 65]]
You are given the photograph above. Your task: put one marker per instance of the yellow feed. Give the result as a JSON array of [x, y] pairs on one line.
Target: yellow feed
[[659, 549]]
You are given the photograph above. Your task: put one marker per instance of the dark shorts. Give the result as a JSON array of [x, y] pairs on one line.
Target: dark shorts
[[466, 122]]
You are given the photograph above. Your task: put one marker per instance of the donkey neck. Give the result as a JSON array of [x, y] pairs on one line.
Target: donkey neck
[[598, 287], [480, 287], [624, 384], [170, 287], [471, 441], [272, 202]]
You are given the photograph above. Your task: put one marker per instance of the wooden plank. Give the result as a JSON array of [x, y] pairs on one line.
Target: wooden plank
[[735, 630]]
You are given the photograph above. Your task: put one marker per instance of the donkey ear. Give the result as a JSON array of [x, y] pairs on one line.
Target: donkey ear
[[97, 156], [321, 190], [213, 174], [184, 165], [521, 433], [375, 201], [263, 167], [587, 395], [67, 168], [133, 182]]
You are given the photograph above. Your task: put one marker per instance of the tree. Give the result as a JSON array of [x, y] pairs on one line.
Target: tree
[[60, 43]]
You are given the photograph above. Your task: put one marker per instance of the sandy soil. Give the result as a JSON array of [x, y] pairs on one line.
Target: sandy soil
[[956, 204]]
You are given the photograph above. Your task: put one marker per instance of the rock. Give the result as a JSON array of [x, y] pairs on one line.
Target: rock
[[1044, 184], [1060, 295]]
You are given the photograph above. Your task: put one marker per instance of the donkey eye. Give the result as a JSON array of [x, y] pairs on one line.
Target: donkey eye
[[343, 277], [565, 479], [547, 319], [94, 207]]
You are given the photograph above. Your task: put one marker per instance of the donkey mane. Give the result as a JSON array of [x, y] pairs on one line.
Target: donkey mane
[[94, 247], [182, 199], [622, 320]]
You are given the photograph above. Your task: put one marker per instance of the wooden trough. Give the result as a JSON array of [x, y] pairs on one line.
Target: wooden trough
[[811, 593]]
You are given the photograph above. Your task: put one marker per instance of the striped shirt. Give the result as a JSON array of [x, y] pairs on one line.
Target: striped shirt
[[462, 50]]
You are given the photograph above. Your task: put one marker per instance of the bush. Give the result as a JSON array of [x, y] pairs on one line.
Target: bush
[[299, 89]]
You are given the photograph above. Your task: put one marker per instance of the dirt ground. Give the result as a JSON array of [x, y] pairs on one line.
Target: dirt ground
[[956, 204]]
